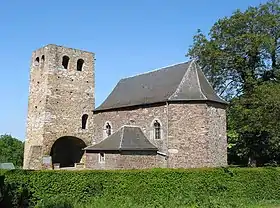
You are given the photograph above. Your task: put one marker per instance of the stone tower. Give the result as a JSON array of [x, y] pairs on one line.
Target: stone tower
[[61, 98]]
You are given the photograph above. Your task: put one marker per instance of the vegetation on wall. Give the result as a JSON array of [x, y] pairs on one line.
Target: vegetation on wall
[[241, 58], [11, 150]]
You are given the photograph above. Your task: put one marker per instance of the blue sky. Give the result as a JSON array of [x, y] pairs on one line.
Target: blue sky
[[128, 37]]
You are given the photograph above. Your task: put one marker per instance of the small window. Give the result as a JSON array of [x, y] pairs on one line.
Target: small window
[[37, 60], [65, 61], [80, 64], [157, 129], [43, 58], [84, 121], [101, 157], [108, 129]]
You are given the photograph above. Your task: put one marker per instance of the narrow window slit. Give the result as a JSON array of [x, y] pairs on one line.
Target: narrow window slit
[[65, 62], [108, 129], [80, 64], [157, 130], [84, 121]]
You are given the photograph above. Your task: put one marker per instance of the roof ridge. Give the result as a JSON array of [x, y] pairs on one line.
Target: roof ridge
[[182, 80], [127, 125], [208, 84], [122, 133], [157, 69], [199, 84]]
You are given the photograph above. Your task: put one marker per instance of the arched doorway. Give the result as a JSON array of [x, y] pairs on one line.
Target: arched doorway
[[67, 151]]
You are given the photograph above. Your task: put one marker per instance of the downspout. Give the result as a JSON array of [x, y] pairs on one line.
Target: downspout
[[167, 136]]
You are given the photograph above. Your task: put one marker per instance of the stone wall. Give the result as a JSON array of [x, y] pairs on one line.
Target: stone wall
[[187, 138], [197, 135], [71, 94], [122, 161], [143, 117], [58, 98], [38, 88], [217, 135]]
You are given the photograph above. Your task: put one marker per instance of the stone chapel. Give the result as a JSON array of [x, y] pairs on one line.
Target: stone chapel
[[168, 118]]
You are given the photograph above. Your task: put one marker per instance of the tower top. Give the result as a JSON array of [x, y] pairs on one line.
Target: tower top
[[51, 45]]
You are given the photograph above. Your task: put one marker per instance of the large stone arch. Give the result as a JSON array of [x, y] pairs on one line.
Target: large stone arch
[[67, 151]]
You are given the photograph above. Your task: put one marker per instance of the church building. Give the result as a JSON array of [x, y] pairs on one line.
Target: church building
[[169, 117]]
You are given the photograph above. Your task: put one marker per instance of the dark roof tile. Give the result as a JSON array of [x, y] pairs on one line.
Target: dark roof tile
[[180, 82], [126, 138]]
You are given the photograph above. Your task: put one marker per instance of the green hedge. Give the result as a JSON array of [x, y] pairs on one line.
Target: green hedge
[[219, 187]]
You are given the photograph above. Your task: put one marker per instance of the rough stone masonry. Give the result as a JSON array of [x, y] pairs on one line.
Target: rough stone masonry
[[170, 117]]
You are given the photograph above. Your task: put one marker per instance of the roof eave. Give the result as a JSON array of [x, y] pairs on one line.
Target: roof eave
[[163, 102], [101, 149], [139, 149], [97, 110], [122, 149]]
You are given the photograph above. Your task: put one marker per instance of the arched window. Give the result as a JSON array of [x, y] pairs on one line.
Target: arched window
[[101, 157], [43, 58], [84, 121], [157, 130], [108, 129], [80, 64], [65, 61], [37, 60]]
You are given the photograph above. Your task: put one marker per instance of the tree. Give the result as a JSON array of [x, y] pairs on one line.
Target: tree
[[241, 59], [11, 150], [254, 127], [242, 50]]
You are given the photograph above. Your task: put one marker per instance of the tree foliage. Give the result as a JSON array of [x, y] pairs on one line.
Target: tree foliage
[[11, 150], [241, 58], [242, 50], [254, 127]]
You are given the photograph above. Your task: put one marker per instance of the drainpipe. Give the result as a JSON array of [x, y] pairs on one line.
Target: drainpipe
[[167, 136]]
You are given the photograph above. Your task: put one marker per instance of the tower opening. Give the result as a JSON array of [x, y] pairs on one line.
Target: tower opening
[[67, 151], [108, 129], [37, 60], [65, 61], [80, 64], [84, 121]]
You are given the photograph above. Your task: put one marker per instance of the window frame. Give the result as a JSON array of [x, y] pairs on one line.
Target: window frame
[[101, 159], [152, 131]]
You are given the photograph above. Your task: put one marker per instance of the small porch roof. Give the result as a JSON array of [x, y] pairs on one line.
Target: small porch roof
[[127, 138]]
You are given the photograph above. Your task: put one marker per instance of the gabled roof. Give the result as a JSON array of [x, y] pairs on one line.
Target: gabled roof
[[180, 82], [126, 138]]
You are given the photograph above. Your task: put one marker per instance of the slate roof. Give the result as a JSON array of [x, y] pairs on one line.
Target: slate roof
[[180, 82], [7, 166], [126, 138]]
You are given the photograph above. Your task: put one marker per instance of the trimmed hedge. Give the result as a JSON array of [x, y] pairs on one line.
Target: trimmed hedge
[[217, 187]]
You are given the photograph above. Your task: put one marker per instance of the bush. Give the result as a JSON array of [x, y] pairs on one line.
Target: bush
[[217, 187], [55, 202]]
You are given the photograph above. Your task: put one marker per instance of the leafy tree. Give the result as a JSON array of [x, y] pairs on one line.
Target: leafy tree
[[11, 150], [242, 50], [254, 127], [241, 58]]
